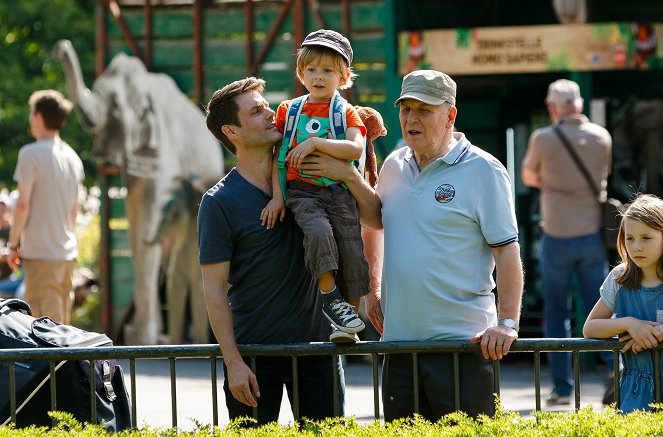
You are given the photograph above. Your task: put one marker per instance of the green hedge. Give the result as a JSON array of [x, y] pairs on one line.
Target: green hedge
[[585, 422]]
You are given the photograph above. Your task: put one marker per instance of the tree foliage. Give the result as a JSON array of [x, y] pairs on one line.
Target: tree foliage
[[28, 33]]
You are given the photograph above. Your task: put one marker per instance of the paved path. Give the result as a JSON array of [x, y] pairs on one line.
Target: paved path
[[194, 396]]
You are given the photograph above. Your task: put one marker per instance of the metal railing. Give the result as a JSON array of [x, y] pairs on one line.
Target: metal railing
[[372, 349]]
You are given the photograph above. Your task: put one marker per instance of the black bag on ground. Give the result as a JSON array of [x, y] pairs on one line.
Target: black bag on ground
[[18, 329]]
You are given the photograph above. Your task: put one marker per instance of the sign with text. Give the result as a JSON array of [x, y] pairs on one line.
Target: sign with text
[[533, 49]]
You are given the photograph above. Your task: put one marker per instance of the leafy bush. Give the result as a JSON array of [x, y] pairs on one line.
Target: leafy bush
[[87, 316], [89, 241], [585, 422], [28, 33]]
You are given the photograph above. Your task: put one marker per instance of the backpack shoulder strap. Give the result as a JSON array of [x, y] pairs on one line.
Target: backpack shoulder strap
[[292, 117], [337, 117], [338, 122]]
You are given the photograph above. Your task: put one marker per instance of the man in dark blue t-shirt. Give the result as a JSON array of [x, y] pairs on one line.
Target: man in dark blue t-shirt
[[257, 289]]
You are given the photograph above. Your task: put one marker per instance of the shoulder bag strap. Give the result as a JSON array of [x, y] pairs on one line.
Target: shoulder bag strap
[[579, 163]]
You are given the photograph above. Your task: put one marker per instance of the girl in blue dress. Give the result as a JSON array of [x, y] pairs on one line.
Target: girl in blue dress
[[633, 293]]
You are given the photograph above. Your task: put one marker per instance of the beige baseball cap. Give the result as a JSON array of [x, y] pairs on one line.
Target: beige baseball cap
[[563, 92], [428, 86]]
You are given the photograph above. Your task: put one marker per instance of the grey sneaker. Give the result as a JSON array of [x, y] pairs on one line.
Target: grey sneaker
[[340, 337], [340, 313], [555, 399]]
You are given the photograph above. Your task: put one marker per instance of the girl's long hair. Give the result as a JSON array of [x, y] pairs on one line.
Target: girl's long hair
[[648, 210]]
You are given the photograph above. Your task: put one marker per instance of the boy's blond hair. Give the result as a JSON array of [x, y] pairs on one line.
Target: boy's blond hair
[[311, 54]]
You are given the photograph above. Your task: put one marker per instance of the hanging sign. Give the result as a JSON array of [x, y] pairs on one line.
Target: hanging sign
[[533, 49]]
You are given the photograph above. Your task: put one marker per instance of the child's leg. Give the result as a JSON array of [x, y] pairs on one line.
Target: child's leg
[[340, 335], [355, 302], [334, 307], [327, 282], [353, 276], [321, 252]]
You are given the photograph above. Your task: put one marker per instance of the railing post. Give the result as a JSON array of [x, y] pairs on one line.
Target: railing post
[[295, 388], [616, 375], [173, 392], [456, 381], [537, 379], [335, 380], [93, 390], [134, 408], [215, 395], [576, 378], [376, 389], [12, 390], [254, 369], [54, 396], [415, 381]]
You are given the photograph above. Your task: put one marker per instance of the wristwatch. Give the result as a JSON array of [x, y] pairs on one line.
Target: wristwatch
[[509, 323]]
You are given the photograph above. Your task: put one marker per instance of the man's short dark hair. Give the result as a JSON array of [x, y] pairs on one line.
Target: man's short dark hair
[[222, 108], [52, 106]]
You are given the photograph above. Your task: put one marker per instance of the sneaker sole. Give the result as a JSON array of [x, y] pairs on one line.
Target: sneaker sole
[[343, 338], [347, 329]]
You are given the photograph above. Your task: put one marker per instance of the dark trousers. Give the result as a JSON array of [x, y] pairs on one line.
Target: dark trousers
[[436, 386], [560, 259], [332, 234], [316, 389]]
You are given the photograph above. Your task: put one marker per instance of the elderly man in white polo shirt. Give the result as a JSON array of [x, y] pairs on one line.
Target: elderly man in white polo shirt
[[449, 221]]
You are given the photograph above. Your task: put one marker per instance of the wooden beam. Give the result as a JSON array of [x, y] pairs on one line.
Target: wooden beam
[[198, 71], [147, 23], [346, 14], [101, 37], [273, 32], [249, 13], [128, 37], [314, 6], [299, 26]]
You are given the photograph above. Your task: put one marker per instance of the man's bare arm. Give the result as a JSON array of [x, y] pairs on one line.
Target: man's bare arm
[[241, 380], [530, 177], [496, 340], [367, 199], [509, 280], [374, 253], [19, 220]]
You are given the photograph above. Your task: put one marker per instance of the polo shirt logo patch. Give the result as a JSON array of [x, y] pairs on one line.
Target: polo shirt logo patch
[[445, 193]]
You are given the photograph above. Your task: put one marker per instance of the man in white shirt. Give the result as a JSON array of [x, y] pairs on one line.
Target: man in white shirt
[[48, 174]]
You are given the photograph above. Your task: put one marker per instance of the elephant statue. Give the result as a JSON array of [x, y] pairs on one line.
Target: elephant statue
[[177, 228], [143, 123]]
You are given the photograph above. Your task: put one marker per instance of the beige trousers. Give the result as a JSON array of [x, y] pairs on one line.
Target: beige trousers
[[48, 288]]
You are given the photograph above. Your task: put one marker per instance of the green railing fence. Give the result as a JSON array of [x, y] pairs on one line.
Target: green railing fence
[[373, 349]]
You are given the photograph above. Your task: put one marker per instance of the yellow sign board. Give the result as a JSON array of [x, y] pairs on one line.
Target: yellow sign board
[[533, 49]]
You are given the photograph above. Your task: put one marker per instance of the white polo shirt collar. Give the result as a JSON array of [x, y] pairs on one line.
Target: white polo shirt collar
[[459, 147]]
